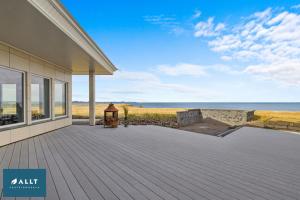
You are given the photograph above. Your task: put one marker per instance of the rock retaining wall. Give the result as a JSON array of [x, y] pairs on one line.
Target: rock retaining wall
[[188, 117], [231, 117]]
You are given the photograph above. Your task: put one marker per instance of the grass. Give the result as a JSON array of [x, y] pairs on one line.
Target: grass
[[277, 116], [80, 110]]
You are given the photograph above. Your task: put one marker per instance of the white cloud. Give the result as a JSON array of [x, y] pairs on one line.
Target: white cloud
[[148, 86], [219, 27], [208, 28], [197, 14], [135, 76], [167, 22], [263, 14], [161, 20], [269, 41], [285, 72], [182, 69], [296, 6], [226, 58]]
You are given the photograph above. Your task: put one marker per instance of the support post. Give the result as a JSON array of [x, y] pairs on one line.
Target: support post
[[28, 99], [92, 103]]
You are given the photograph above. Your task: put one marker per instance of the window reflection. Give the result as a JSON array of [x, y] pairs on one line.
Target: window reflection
[[60, 98], [40, 91], [11, 97]]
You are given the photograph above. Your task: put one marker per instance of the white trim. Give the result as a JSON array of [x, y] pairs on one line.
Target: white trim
[[66, 99], [57, 14], [40, 120]]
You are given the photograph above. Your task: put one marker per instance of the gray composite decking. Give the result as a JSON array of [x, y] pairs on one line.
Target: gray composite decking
[[149, 162]]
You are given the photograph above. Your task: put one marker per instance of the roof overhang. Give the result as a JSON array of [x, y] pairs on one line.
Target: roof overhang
[[45, 29]]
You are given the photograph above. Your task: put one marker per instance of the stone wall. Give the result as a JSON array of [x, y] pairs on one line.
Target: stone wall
[[188, 117], [231, 117]]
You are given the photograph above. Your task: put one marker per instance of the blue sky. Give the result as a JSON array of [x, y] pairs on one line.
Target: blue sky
[[194, 51]]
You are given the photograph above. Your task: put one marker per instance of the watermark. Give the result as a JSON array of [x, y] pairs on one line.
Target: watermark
[[24, 182]]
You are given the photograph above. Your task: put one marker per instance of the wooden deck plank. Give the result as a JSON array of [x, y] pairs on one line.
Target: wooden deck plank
[[5, 164], [232, 172], [85, 183], [125, 185], [179, 179], [42, 163], [148, 162], [32, 161], [208, 195], [183, 162], [229, 177], [117, 190], [105, 153], [196, 179], [250, 167], [93, 177], [24, 158], [156, 175], [75, 187], [14, 162], [61, 186], [2, 153]]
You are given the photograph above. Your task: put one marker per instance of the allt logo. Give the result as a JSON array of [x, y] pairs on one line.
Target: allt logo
[[24, 182]]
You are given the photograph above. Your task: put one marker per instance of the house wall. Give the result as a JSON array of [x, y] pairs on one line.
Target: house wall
[[13, 58]]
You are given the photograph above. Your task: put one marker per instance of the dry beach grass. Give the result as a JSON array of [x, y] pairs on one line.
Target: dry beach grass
[[81, 110], [262, 118]]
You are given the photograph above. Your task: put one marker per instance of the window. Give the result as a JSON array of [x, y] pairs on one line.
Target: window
[[11, 97], [40, 93], [60, 99]]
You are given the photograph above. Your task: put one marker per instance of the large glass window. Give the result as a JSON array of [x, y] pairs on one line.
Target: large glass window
[[11, 97], [40, 92], [60, 98]]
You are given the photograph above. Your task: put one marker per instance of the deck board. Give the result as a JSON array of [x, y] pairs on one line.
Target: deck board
[[62, 187], [42, 163], [149, 162]]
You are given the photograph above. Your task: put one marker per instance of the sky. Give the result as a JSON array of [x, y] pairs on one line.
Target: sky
[[193, 50]]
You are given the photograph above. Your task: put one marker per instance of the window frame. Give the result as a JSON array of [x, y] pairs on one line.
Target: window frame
[[24, 98], [50, 99], [66, 99]]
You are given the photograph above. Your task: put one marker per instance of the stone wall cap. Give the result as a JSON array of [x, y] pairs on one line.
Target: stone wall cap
[[227, 109]]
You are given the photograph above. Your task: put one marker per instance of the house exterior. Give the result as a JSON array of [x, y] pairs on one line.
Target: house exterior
[[41, 47]]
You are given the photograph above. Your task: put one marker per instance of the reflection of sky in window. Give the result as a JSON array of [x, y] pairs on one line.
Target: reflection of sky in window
[[9, 93], [59, 92], [35, 93]]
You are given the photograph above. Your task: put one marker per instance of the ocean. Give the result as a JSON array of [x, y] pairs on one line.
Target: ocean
[[283, 106]]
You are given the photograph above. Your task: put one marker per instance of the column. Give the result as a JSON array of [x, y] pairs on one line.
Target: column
[[27, 94], [52, 93], [92, 103]]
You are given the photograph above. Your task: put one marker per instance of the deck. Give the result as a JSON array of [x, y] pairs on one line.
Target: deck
[[149, 162]]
